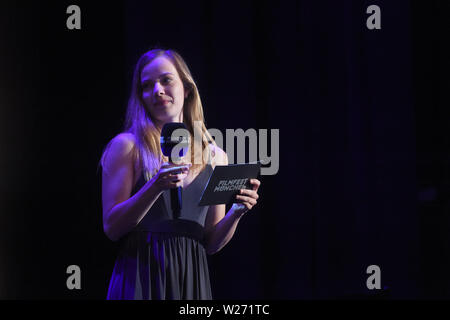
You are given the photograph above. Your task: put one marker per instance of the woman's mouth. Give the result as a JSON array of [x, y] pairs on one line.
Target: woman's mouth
[[162, 102]]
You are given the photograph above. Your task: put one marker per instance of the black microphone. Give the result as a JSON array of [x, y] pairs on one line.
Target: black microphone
[[174, 145]]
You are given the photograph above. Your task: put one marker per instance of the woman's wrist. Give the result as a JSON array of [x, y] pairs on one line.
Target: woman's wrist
[[237, 210], [154, 187]]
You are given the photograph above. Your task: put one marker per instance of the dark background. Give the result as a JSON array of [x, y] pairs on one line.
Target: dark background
[[364, 140]]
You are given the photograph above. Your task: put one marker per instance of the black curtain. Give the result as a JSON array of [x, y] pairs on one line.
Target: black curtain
[[363, 175]]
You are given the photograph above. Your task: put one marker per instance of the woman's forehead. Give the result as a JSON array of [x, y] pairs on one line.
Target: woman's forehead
[[157, 67]]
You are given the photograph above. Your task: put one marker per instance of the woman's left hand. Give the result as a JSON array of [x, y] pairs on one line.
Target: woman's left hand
[[247, 198]]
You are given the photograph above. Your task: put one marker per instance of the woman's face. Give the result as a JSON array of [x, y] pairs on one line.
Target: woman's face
[[162, 91]]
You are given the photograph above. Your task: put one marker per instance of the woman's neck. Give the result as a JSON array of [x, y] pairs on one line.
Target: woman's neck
[[160, 124]]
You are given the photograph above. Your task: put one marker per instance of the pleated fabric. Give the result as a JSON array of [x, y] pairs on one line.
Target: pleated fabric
[[160, 266]]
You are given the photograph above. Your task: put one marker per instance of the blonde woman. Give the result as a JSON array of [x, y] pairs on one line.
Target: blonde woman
[[161, 257]]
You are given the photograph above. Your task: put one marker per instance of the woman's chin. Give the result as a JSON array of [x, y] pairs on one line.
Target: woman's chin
[[166, 118]]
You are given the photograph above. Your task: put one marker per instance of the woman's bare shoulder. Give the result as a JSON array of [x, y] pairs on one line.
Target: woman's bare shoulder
[[120, 148], [124, 140]]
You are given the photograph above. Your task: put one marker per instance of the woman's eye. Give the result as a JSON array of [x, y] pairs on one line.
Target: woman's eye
[[167, 80]]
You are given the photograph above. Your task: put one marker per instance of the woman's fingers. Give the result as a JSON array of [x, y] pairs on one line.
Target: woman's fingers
[[174, 180], [248, 197], [247, 205], [255, 184], [243, 199], [177, 177], [250, 193], [172, 176], [173, 169]]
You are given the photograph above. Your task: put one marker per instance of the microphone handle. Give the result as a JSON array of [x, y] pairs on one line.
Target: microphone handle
[[176, 201]]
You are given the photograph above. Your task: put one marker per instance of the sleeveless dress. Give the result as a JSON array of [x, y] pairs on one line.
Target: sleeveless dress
[[162, 257]]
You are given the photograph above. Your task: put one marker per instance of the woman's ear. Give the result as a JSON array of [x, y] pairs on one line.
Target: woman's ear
[[186, 93], [187, 90]]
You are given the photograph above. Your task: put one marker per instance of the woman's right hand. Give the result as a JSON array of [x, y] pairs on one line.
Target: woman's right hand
[[170, 176]]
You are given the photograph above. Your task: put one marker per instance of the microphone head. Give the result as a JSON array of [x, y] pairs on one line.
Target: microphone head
[[174, 140]]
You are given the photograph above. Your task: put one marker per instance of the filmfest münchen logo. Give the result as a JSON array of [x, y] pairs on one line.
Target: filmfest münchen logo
[[231, 185]]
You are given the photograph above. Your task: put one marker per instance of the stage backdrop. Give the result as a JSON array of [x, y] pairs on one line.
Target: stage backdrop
[[363, 175]]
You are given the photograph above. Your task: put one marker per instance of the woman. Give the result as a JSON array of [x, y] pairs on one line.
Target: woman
[[161, 257]]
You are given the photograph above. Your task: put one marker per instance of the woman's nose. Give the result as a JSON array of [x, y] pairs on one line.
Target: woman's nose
[[158, 89]]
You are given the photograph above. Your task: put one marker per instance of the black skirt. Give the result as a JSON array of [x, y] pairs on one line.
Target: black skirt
[[161, 266]]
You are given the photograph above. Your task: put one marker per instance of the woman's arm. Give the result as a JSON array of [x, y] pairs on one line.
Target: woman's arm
[[121, 213], [220, 227]]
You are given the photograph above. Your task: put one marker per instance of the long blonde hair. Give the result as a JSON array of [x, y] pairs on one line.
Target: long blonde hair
[[147, 149]]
